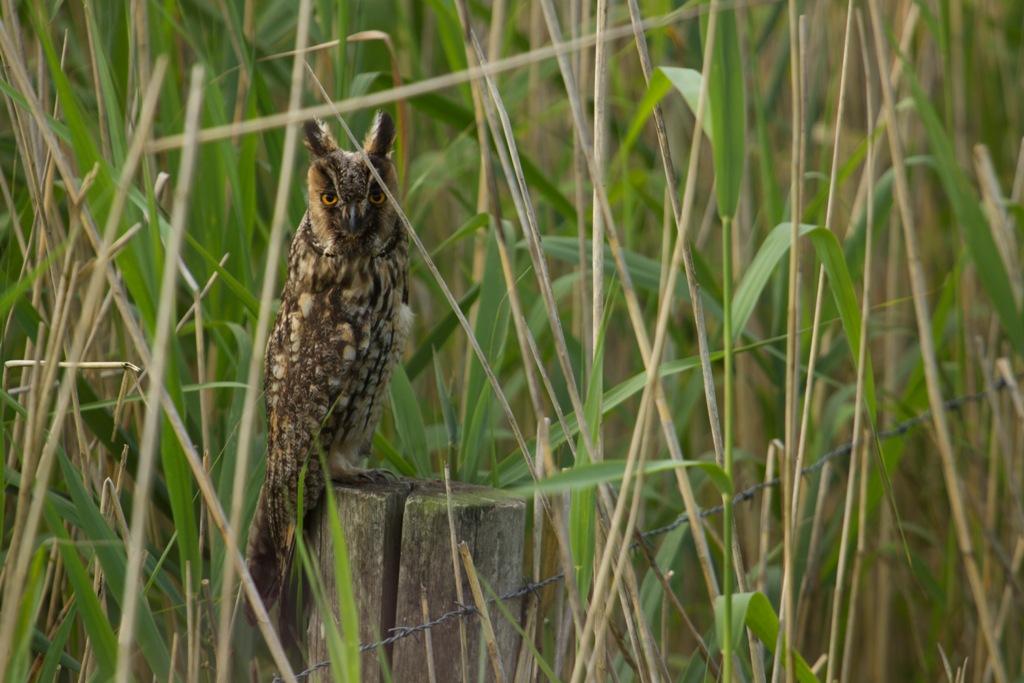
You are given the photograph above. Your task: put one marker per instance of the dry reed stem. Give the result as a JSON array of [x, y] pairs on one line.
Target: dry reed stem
[[152, 424], [858, 414], [653, 653], [778, 448], [816, 325], [994, 205], [173, 656], [681, 214], [191, 628], [530, 227], [1003, 443], [635, 652], [670, 598], [430, 85], [583, 314], [262, 330], [554, 321], [52, 584], [20, 77], [531, 232], [523, 334], [858, 561], [867, 185], [527, 662], [1007, 375], [569, 618], [428, 643], [994, 442], [649, 646], [681, 252], [481, 608], [862, 447], [201, 376], [560, 527], [614, 543], [927, 344], [869, 173], [489, 183], [112, 498], [792, 399], [486, 198], [1007, 602], [199, 296], [28, 521], [443, 286], [509, 160], [456, 573], [597, 288], [764, 538]]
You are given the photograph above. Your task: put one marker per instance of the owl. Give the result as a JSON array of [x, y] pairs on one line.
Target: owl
[[342, 327]]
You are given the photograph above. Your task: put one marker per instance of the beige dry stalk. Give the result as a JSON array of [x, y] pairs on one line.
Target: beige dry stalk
[[153, 421], [860, 432], [428, 643], [790, 475], [29, 519], [253, 384], [928, 357], [481, 607], [456, 572]]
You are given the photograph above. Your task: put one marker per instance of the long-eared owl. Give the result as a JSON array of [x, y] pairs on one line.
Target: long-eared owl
[[342, 326]]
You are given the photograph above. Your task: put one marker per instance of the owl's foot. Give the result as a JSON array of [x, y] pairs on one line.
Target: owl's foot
[[356, 475], [377, 475]]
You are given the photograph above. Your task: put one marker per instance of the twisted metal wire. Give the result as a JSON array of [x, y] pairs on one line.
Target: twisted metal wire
[[400, 632]]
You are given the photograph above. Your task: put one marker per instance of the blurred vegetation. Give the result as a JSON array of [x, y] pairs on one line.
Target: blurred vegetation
[[125, 402]]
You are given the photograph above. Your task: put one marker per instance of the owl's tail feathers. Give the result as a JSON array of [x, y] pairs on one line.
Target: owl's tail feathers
[[267, 556]]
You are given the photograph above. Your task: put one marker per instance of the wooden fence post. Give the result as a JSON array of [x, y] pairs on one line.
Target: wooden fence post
[[400, 555]]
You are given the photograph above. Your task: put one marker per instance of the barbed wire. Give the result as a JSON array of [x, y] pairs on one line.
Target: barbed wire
[[400, 632], [899, 430]]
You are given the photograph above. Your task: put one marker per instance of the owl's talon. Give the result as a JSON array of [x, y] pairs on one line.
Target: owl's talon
[[353, 475], [378, 475]]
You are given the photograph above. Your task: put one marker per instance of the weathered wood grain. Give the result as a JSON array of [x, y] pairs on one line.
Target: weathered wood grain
[[400, 552]]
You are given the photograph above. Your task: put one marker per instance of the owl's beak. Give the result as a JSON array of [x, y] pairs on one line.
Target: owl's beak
[[354, 219]]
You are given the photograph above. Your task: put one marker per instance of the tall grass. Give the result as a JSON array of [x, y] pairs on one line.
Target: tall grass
[[665, 253]]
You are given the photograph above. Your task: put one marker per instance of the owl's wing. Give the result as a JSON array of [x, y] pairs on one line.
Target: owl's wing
[[318, 367], [309, 374]]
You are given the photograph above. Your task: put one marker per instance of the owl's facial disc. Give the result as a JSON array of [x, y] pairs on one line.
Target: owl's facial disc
[[349, 210]]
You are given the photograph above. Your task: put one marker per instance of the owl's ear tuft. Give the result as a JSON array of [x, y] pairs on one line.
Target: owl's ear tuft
[[381, 136], [318, 138]]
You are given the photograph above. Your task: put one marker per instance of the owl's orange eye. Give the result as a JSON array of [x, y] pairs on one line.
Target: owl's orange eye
[[377, 197], [329, 198]]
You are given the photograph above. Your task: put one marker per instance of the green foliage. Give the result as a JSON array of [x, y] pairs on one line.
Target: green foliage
[[73, 85], [727, 112], [586, 476], [754, 611]]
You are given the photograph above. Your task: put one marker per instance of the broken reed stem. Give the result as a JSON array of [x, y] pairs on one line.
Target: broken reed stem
[[457, 574], [482, 611], [427, 638]]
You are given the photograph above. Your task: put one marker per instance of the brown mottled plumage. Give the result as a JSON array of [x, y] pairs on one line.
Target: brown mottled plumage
[[342, 326]]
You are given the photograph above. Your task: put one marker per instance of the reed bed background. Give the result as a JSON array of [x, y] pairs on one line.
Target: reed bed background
[[809, 218]]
